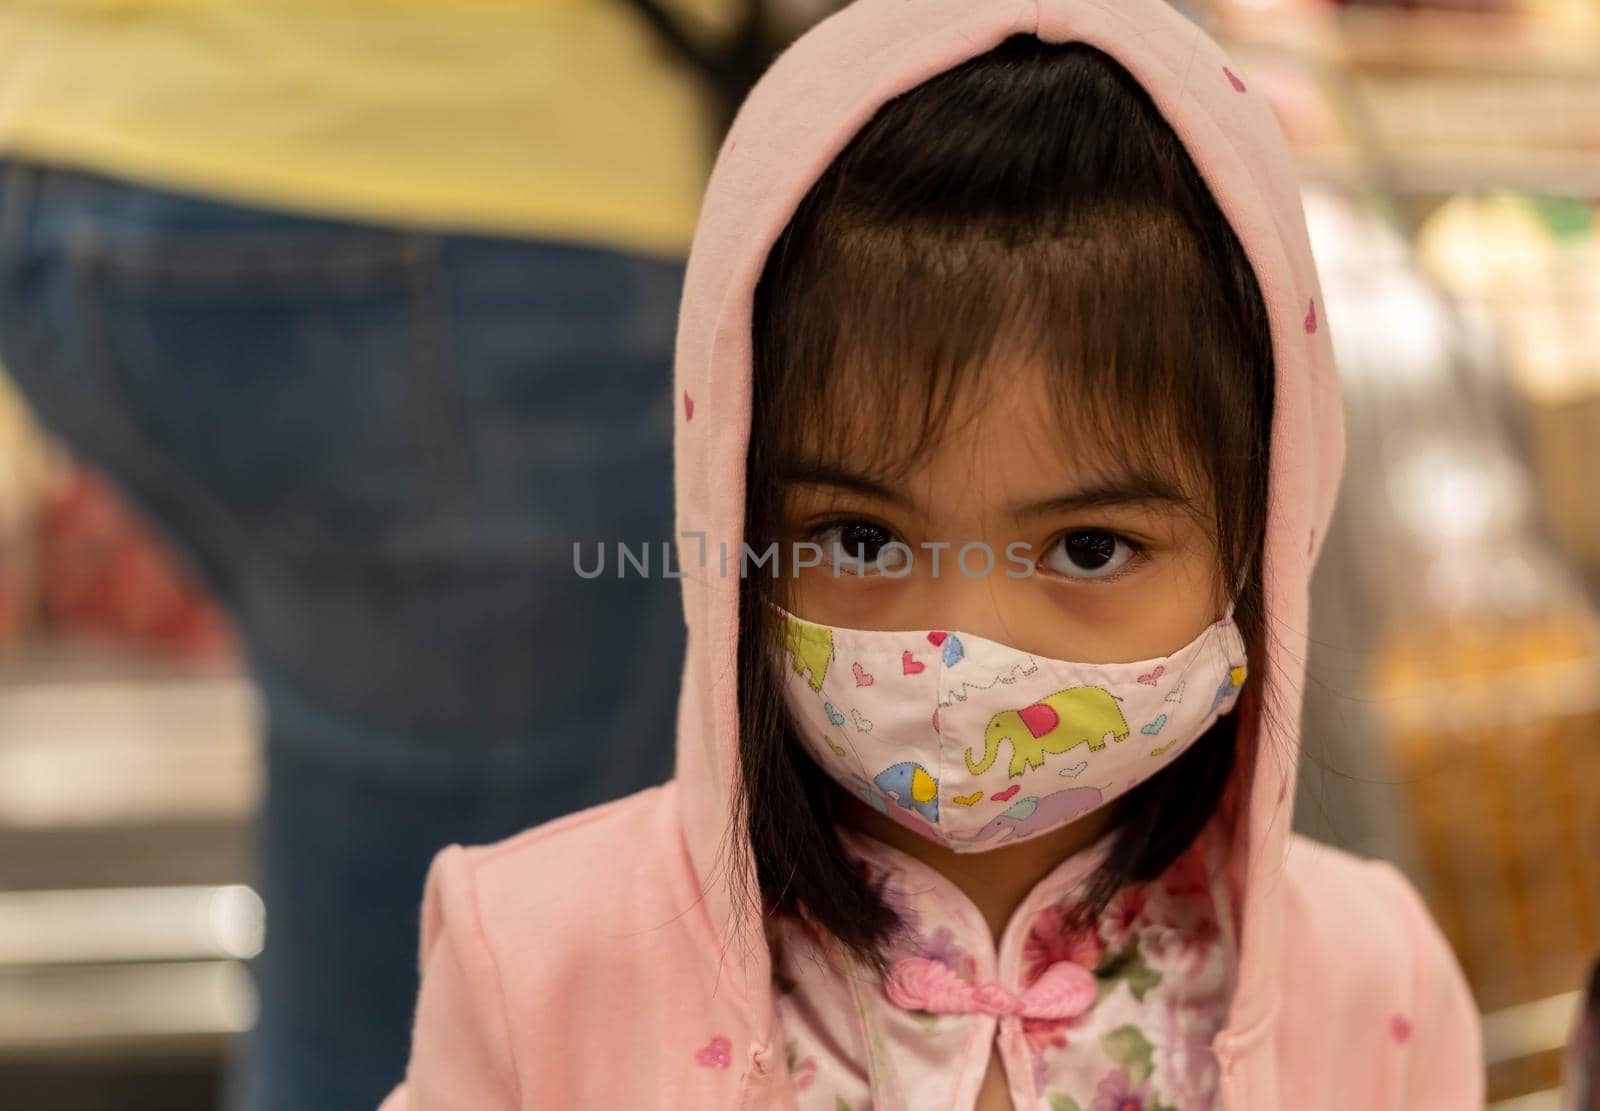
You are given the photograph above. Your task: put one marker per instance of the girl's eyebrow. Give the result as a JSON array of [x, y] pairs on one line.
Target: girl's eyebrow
[[818, 474], [1133, 490], [1140, 490]]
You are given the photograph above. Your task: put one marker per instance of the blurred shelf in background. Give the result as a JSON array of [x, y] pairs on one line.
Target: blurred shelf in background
[[93, 738], [127, 784], [1428, 102]]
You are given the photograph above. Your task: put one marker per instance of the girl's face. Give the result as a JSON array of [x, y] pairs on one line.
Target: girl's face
[[1107, 563]]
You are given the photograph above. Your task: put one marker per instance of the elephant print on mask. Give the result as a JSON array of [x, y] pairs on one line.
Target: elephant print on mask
[[1031, 815], [811, 647], [1055, 724], [899, 814], [910, 785]]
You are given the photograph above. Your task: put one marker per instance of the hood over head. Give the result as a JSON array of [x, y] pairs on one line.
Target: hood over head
[[805, 109]]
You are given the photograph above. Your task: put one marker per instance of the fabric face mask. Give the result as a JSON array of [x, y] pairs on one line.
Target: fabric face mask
[[974, 744]]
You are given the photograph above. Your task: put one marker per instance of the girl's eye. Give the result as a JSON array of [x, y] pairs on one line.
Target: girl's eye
[[857, 547], [1089, 554]]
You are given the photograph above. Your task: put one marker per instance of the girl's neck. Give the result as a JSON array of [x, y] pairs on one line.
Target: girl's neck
[[996, 881]]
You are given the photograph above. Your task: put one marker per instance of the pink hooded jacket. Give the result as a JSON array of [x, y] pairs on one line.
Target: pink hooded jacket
[[603, 961]]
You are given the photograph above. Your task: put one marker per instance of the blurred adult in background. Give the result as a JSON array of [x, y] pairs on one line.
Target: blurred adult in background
[[371, 308]]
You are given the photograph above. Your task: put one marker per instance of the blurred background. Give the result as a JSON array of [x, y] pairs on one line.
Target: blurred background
[[1451, 164]]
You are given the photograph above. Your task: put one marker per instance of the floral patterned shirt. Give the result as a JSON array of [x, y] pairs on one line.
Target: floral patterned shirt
[[1162, 958]]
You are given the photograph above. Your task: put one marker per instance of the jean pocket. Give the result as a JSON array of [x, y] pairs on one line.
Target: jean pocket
[[293, 368]]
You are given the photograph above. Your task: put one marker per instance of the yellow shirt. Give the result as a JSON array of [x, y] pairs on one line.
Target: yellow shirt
[[550, 118]]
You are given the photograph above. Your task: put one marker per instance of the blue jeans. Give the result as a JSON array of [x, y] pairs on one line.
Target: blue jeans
[[377, 447]]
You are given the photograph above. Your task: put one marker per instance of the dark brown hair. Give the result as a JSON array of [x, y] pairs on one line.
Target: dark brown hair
[[1031, 198]]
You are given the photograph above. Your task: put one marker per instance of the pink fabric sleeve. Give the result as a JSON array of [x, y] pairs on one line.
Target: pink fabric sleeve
[[1445, 1068], [460, 1044]]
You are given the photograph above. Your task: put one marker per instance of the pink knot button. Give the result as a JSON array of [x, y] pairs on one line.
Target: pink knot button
[[1065, 990]]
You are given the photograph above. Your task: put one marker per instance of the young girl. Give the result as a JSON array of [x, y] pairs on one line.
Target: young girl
[[1009, 428]]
